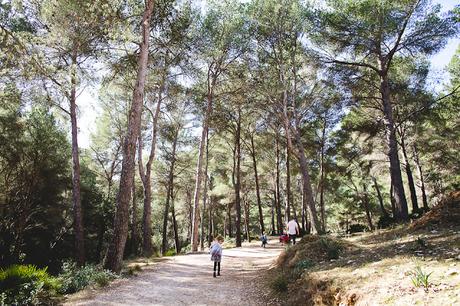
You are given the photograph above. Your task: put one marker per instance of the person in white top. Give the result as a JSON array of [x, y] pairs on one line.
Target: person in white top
[[293, 230]]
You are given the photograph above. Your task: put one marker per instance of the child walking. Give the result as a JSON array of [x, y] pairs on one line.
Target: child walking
[[264, 239], [216, 254]]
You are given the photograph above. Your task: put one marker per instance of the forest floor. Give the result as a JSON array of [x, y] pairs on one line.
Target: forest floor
[[378, 268], [188, 280]]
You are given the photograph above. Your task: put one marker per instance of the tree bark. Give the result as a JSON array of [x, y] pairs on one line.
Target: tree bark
[[256, 177], [169, 195], [272, 211], [287, 210], [322, 178], [246, 219], [237, 182], [76, 198], [199, 166], [395, 170], [410, 177], [422, 180], [134, 234], [379, 196], [365, 200], [115, 253], [173, 213], [146, 174], [279, 218], [205, 192]]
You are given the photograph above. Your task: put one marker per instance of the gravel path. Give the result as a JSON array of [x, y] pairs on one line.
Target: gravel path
[[188, 280]]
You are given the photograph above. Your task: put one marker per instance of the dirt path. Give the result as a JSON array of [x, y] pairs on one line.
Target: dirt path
[[188, 280]]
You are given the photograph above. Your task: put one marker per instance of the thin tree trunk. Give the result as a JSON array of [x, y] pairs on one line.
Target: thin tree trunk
[[147, 173], [173, 213], [210, 225], [422, 180], [256, 177], [395, 170], [134, 235], [272, 211], [365, 200], [393, 203], [303, 208], [287, 210], [199, 172], [410, 177], [379, 196], [205, 192], [246, 219], [279, 218], [76, 198], [229, 220], [116, 249], [169, 195], [322, 178], [237, 184]]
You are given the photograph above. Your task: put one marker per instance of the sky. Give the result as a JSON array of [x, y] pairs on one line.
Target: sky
[[89, 111]]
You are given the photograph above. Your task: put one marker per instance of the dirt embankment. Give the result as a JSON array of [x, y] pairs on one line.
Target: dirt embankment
[[417, 264]]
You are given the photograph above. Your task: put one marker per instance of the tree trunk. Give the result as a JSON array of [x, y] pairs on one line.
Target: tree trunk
[[322, 178], [76, 198], [256, 177], [205, 192], [146, 175], [246, 219], [366, 208], [279, 218], [176, 230], [199, 166], [237, 184], [229, 220], [115, 253], [287, 210], [303, 209], [272, 211], [410, 177], [134, 235], [395, 170], [379, 196], [210, 223], [393, 203], [169, 195], [422, 181]]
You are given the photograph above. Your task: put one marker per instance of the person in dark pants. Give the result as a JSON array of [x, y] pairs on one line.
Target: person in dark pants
[[216, 254], [293, 230]]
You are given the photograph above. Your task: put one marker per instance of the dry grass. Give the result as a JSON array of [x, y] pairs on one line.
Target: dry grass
[[377, 268]]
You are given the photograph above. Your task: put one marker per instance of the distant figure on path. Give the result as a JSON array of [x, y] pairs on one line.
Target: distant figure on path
[[264, 239], [216, 253], [293, 230]]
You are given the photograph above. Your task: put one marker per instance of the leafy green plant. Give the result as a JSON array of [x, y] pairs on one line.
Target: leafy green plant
[[330, 247], [27, 285], [171, 252], [75, 278], [279, 283], [420, 278]]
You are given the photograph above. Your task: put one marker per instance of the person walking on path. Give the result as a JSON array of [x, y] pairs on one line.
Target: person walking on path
[[216, 254], [293, 230], [264, 239]]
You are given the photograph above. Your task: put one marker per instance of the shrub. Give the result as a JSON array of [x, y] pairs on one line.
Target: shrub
[[75, 278], [331, 248], [27, 285], [279, 283], [170, 252], [357, 228]]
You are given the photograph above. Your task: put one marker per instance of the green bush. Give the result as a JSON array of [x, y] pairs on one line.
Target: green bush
[[279, 283], [170, 252], [27, 285], [75, 278]]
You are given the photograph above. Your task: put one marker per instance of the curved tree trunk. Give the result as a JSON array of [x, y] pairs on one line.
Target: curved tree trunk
[[116, 249]]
